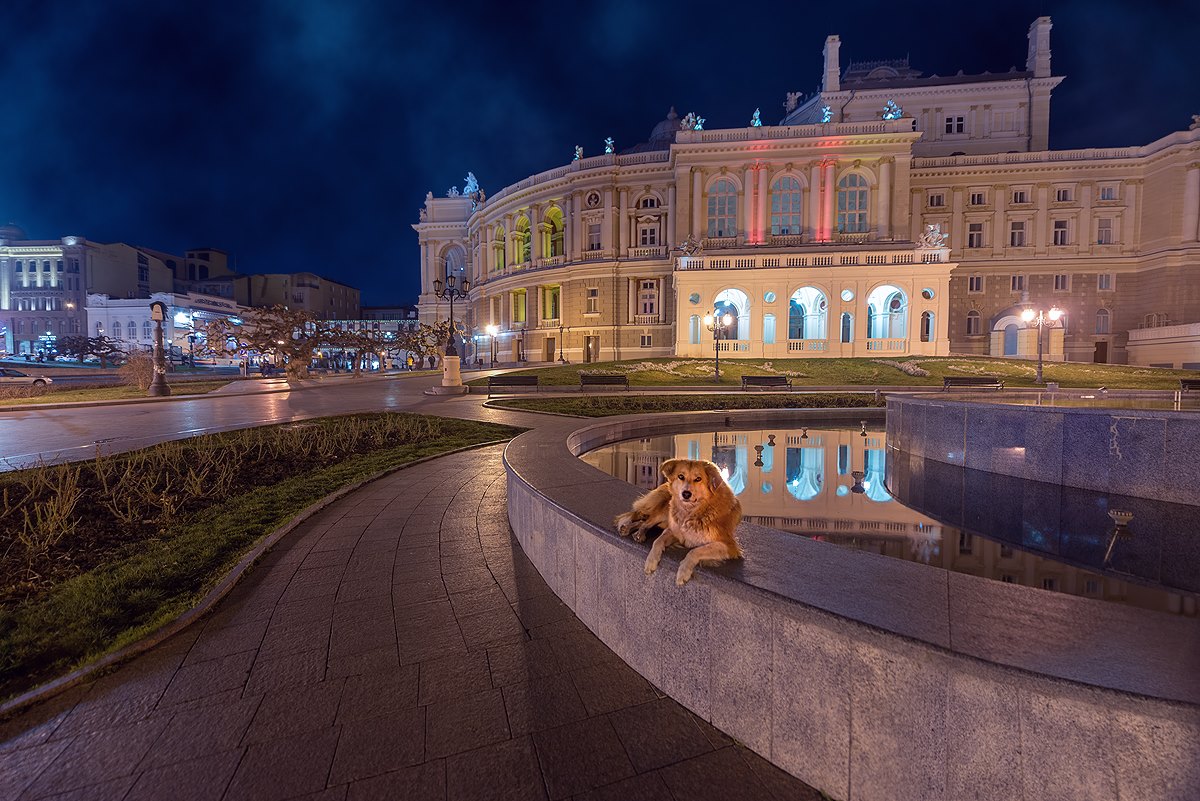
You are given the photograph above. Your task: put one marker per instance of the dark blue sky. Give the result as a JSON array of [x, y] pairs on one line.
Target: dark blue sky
[[303, 134]]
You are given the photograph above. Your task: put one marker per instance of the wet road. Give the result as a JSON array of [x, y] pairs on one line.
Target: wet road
[[68, 434]]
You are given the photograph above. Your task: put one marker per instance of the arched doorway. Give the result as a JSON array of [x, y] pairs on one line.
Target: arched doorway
[[1010, 339], [736, 304], [807, 311], [887, 313]]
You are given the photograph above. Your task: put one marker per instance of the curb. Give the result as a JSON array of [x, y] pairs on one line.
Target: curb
[[211, 598]]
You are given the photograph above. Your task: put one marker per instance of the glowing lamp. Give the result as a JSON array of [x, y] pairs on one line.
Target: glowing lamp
[[492, 330], [1055, 314], [727, 319], [1028, 315], [708, 319]]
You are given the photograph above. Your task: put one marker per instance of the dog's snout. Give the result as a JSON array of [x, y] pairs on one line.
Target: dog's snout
[[687, 495]]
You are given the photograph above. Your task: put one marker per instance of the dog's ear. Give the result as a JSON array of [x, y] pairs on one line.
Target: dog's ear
[[668, 468], [715, 479]]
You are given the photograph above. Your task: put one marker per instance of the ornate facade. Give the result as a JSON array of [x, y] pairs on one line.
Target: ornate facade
[[823, 236]]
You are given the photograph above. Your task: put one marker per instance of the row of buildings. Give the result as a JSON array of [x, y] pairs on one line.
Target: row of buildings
[[72, 285], [891, 213]]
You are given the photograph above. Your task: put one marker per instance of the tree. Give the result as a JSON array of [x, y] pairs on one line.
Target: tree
[[427, 340], [79, 346], [287, 335]]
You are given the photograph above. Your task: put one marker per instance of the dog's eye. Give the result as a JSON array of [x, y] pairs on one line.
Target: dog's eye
[[696, 480], [681, 478]]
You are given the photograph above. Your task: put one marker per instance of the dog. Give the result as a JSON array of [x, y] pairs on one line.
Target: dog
[[695, 508]]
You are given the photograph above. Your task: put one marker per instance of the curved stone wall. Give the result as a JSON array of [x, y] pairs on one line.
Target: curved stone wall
[[868, 677], [1148, 453]]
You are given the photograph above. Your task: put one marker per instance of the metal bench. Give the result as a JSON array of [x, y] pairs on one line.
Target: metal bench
[[971, 382], [602, 380], [500, 383], [1189, 384], [766, 381]]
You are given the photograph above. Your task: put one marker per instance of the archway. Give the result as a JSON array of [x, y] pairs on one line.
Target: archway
[[805, 468], [887, 313], [807, 310], [735, 303]]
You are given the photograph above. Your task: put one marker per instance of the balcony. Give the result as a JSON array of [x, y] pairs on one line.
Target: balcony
[[647, 319], [787, 240], [734, 345], [888, 345], [658, 252], [807, 345], [818, 257], [719, 242], [554, 261]]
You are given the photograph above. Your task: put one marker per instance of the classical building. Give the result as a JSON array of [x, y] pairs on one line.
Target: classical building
[[325, 298], [809, 233], [127, 320]]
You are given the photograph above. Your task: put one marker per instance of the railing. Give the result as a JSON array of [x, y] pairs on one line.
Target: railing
[[554, 261], [893, 345], [648, 253], [719, 242], [787, 240], [592, 162], [1088, 154], [759, 261], [646, 319], [904, 125], [734, 345], [1165, 331], [808, 344], [549, 322]]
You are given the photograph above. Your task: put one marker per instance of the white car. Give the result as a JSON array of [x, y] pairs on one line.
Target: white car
[[10, 376]]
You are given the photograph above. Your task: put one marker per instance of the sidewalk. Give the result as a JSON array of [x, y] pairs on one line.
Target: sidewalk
[[398, 645]]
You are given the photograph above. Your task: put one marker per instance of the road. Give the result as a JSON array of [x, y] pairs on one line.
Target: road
[[68, 434]]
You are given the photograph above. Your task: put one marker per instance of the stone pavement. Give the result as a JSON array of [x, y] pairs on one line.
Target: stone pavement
[[396, 646]]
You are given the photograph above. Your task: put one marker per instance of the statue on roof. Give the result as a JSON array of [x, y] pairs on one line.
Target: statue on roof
[[688, 122], [826, 114], [609, 145], [452, 192], [790, 101], [755, 121], [1195, 126], [933, 238], [578, 153], [891, 111], [471, 186]]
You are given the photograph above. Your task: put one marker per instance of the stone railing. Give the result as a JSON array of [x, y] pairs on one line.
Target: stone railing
[[815, 258], [719, 242], [890, 345], [904, 125], [590, 163], [808, 345], [646, 319], [734, 345], [658, 252]]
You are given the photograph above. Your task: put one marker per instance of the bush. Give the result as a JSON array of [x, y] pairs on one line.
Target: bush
[[138, 369]]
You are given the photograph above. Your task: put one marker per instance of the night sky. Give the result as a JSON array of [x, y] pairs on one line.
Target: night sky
[[303, 134]]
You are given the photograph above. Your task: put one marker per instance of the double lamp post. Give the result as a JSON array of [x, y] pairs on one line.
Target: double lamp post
[[1041, 319], [451, 364], [717, 324]]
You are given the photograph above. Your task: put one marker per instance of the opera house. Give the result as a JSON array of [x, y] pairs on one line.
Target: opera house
[[891, 213]]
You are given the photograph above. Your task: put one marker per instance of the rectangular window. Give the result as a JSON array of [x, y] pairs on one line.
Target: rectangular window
[[1049, 584], [648, 297], [974, 235], [1062, 235], [1016, 234], [965, 542], [956, 125], [978, 199], [1062, 282], [1104, 282], [594, 236], [1062, 195], [518, 307], [1020, 196], [646, 340], [1017, 283], [593, 300], [550, 302], [1104, 231], [1004, 121], [648, 236], [1091, 587], [975, 284], [937, 200], [1108, 193]]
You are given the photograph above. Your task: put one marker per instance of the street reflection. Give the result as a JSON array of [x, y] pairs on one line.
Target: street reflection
[[830, 485]]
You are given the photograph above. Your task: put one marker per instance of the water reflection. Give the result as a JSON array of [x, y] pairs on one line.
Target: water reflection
[[834, 488]]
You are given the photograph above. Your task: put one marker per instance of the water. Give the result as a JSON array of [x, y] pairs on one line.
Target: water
[[832, 485]]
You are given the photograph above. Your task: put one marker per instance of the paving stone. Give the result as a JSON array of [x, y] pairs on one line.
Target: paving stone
[[207, 678], [376, 660], [611, 686], [453, 677], [378, 694], [485, 628], [292, 670], [284, 768], [94, 758], [581, 756], [308, 610], [716, 776], [518, 662], [377, 745], [543, 703], [112, 790], [541, 609], [18, 768], [293, 639], [291, 712], [425, 782], [658, 733], [479, 599], [465, 723], [98, 714], [203, 779], [193, 733], [646, 787], [233, 639], [505, 771]]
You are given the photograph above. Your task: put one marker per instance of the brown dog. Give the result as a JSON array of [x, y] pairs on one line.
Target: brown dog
[[695, 508]]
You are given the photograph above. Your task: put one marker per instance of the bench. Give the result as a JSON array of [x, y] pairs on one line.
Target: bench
[[499, 383], [766, 381], [971, 382], [602, 380], [1189, 384]]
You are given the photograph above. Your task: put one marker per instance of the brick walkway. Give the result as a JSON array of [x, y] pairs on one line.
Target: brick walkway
[[399, 645]]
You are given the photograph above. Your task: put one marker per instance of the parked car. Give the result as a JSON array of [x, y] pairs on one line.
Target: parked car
[[10, 376]]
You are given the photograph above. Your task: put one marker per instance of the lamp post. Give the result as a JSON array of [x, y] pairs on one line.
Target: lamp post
[[560, 344], [450, 290], [158, 386], [1041, 319], [493, 331], [716, 324]]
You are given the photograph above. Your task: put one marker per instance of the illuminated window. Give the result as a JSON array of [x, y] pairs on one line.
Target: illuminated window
[[852, 201], [648, 297], [785, 207], [594, 236], [518, 306], [722, 209]]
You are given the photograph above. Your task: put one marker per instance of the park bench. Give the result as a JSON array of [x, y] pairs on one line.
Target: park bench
[[1189, 384], [766, 381], [602, 380], [971, 382], [501, 383]]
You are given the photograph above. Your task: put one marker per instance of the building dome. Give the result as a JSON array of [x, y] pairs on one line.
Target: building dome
[[664, 133], [12, 232]]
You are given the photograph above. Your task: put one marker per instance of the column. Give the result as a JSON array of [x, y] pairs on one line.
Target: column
[[631, 290], [830, 201], [486, 262], [958, 239], [999, 232], [813, 204], [764, 174], [535, 231], [697, 225], [426, 273], [623, 225], [568, 230], [986, 133], [748, 198], [916, 204], [1133, 209], [607, 238], [510, 237], [1041, 224], [1084, 237], [884, 229], [669, 218], [1191, 203]]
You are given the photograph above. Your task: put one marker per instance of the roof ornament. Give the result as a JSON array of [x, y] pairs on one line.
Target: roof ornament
[[826, 114], [891, 111], [471, 189], [933, 238], [755, 121], [689, 247], [452, 192], [692, 122], [1195, 126], [609, 145], [578, 153], [791, 100]]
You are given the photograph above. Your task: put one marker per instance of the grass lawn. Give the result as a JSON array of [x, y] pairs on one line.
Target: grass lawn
[[96, 554], [103, 393], [868, 372], [607, 405]]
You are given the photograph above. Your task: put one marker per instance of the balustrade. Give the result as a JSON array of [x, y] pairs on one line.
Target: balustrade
[[808, 345], [891, 345]]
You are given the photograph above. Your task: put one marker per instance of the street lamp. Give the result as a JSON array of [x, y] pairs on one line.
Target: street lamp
[[158, 387], [493, 331], [1041, 319], [560, 344], [451, 364], [715, 324]]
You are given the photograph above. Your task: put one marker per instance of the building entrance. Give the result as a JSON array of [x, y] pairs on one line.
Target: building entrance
[[591, 349]]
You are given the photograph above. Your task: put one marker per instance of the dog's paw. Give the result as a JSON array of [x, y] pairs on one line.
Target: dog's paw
[[651, 566], [638, 534], [682, 577]]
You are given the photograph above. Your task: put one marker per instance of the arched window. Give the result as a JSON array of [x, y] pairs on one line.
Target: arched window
[[1010, 339], [768, 329], [722, 208], [734, 303], [18, 267], [973, 323], [132, 330], [649, 203], [498, 248], [785, 207], [116, 329], [1103, 322], [454, 263], [927, 326], [887, 313], [847, 327], [99, 328], [147, 331], [807, 310], [554, 233], [852, 200], [524, 240]]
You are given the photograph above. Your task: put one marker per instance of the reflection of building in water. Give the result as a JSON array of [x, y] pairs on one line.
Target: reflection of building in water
[[829, 485]]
